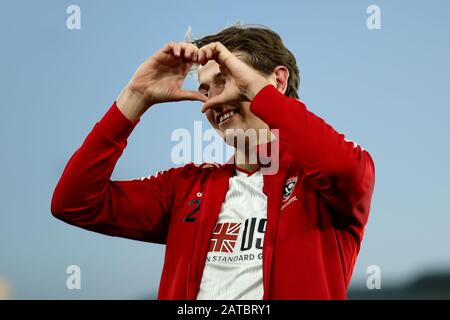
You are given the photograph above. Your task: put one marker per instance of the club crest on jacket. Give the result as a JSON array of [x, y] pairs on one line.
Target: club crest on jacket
[[289, 187]]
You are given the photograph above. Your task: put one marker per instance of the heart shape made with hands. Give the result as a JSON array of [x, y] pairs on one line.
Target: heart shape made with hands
[[159, 79], [243, 82]]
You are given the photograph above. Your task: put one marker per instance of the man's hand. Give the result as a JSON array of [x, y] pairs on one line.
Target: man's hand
[[160, 79], [242, 81]]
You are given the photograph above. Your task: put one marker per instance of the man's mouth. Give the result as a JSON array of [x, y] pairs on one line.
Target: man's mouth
[[225, 116]]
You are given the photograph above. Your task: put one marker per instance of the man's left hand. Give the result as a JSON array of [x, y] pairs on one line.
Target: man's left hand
[[242, 81]]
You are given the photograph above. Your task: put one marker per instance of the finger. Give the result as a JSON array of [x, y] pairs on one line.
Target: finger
[[210, 103], [168, 48], [221, 53], [188, 53], [190, 95], [177, 50], [207, 54], [201, 56], [217, 51], [195, 55], [191, 52], [188, 50]]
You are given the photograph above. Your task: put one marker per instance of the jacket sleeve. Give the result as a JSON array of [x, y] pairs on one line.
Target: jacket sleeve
[[86, 197], [339, 169]]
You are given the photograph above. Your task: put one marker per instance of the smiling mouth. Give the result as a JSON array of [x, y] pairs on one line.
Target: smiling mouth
[[225, 116]]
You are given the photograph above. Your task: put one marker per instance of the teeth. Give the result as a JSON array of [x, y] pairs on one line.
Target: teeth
[[226, 115]]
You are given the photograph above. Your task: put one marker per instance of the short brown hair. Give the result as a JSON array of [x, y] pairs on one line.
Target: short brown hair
[[264, 47]]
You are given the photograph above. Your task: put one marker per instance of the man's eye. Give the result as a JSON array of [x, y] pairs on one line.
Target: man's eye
[[205, 93]]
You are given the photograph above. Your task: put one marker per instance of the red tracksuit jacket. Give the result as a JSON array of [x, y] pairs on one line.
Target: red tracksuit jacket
[[310, 244]]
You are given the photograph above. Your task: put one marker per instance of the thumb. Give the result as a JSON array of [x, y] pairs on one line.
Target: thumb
[[216, 100], [190, 95]]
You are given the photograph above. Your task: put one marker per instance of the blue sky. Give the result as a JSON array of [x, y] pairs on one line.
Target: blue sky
[[386, 89]]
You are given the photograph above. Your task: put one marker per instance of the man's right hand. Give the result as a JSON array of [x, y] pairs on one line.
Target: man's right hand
[[160, 79]]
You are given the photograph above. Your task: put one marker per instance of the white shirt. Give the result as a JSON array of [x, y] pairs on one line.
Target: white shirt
[[233, 267]]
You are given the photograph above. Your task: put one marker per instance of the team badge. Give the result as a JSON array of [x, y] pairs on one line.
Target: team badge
[[289, 187]]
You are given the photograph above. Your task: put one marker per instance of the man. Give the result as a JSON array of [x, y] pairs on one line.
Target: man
[[231, 231]]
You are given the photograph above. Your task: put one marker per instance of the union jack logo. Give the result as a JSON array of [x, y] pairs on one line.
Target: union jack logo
[[224, 237]]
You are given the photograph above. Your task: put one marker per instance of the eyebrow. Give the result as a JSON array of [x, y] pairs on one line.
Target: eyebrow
[[214, 77]]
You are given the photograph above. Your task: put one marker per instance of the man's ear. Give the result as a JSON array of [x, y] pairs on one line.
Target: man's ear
[[280, 78]]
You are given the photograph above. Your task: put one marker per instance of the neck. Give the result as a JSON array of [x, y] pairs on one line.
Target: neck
[[244, 161]]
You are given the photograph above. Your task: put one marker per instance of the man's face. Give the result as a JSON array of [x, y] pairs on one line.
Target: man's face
[[229, 116]]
